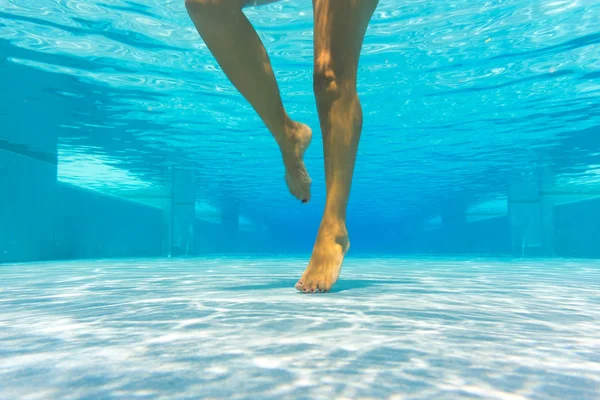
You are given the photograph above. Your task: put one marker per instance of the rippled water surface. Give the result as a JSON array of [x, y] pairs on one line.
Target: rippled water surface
[[235, 328], [456, 94]]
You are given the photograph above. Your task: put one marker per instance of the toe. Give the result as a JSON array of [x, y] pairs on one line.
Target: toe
[[295, 189], [299, 188], [299, 285], [321, 287], [291, 187], [307, 287], [312, 286], [305, 195]]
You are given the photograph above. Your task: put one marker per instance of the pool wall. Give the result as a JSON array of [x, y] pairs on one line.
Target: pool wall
[[44, 219]]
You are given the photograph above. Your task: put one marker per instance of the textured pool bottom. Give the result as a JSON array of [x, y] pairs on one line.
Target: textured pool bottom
[[236, 328]]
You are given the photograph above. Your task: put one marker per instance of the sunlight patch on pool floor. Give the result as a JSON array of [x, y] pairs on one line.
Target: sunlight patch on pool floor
[[236, 328]]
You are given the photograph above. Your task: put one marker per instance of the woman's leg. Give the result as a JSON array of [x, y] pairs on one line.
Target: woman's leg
[[242, 56], [340, 26]]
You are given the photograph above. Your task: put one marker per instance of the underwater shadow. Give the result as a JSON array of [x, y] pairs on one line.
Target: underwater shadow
[[343, 285]]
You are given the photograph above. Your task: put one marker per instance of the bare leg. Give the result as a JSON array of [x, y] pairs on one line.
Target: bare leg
[[340, 26], [242, 56]]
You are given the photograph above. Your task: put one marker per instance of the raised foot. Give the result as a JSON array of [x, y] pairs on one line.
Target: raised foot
[[293, 147], [326, 261]]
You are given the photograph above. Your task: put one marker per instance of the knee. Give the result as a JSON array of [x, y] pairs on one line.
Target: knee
[[330, 83], [325, 81]]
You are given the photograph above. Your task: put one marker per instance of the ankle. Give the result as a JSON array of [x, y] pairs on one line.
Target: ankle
[[282, 129], [334, 227], [289, 134], [334, 232]]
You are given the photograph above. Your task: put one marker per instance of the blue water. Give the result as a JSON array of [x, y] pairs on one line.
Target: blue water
[[474, 216], [458, 96]]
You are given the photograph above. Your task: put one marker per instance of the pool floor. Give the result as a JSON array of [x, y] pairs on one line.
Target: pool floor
[[235, 328]]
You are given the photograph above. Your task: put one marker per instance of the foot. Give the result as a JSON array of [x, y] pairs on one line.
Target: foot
[[326, 261], [292, 148]]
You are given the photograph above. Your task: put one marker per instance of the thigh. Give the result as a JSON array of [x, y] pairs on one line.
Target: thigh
[[340, 27]]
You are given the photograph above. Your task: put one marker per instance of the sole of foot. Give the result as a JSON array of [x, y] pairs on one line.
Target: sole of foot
[[293, 148]]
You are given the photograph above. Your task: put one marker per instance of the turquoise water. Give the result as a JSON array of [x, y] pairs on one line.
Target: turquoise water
[[149, 246], [459, 98]]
